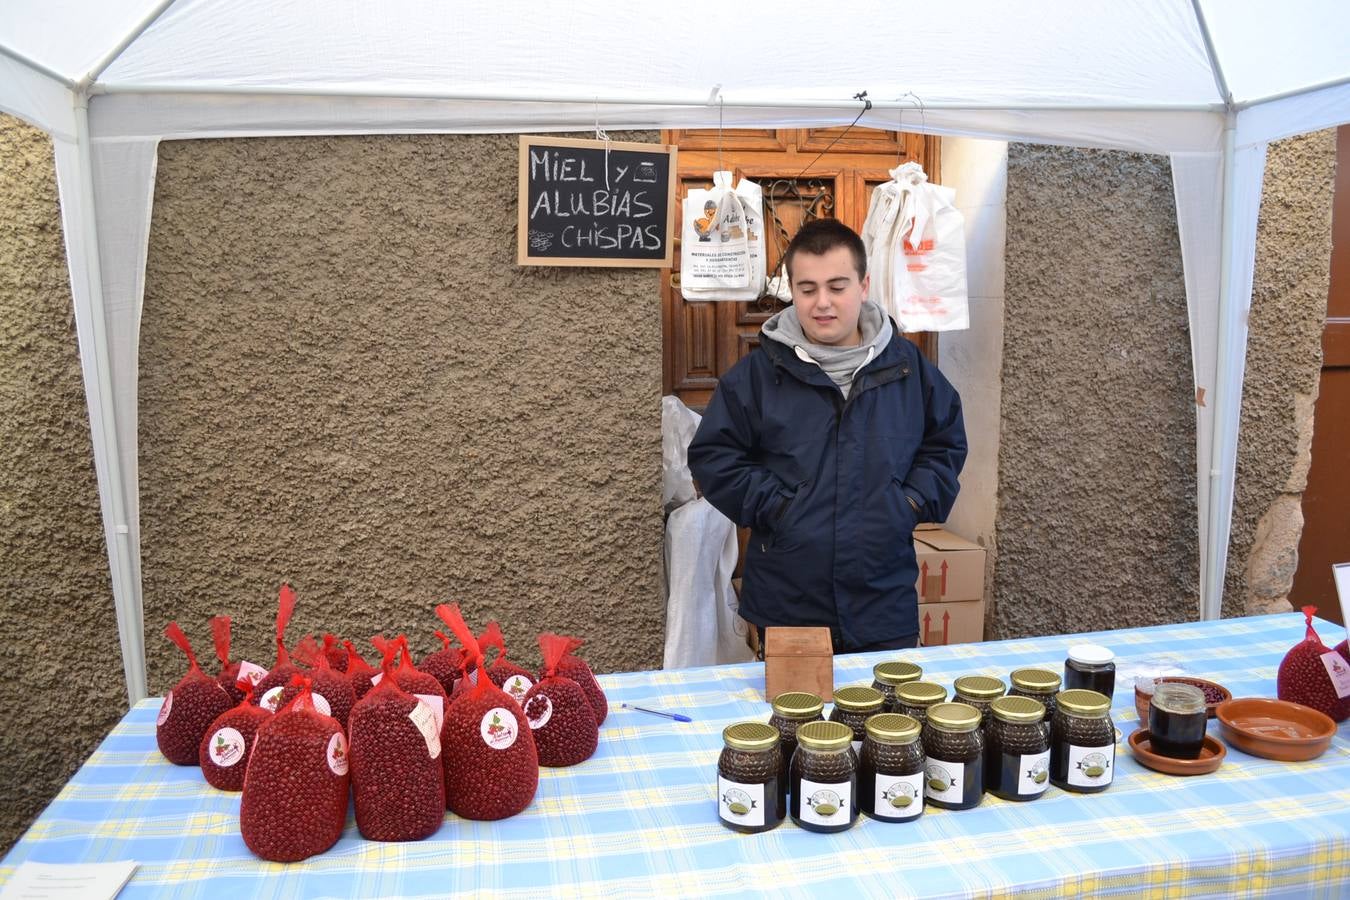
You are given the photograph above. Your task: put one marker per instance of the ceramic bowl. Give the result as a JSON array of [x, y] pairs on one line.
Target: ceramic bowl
[[1275, 729], [1211, 757]]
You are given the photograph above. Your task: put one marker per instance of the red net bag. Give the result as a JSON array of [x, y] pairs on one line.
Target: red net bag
[[189, 709], [397, 777], [267, 692], [575, 668], [505, 674], [333, 692], [224, 751], [295, 788], [359, 671], [446, 665], [336, 653], [406, 674], [560, 715], [1315, 676], [232, 672], [491, 765]]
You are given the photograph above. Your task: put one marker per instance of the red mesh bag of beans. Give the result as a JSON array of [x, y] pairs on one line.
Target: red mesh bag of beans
[[336, 653], [575, 668], [558, 711], [359, 671], [1315, 676], [267, 692], [406, 674], [505, 674], [397, 778], [232, 672], [189, 709], [224, 751], [446, 665], [333, 692], [491, 765], [295, 788]]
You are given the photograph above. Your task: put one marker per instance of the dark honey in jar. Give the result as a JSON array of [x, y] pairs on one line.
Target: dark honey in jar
[[853, 706], [791, 710], [978, 691], [1090, 667], [888, 676], [749, 797], [1016, 749], [1082, 742], [891, 769], [824, 772], [914, 699], [954, 747]]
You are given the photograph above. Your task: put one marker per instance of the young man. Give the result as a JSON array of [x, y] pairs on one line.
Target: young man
[[831, 441]]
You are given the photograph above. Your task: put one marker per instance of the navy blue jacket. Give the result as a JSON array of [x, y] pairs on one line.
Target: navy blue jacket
[[821, 482]]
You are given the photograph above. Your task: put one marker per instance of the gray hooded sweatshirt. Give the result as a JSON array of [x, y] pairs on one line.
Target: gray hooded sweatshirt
[[840, 363]]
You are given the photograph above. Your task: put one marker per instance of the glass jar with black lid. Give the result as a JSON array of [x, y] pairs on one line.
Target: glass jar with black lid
[[853, 706], [1082, 742], [890, 769], [979, 691], [954, 747], [888, 676], [1040, 685], [915, 698], [824, 773], [749, 793], [1090, 667], [791, 710], [1016, 749]]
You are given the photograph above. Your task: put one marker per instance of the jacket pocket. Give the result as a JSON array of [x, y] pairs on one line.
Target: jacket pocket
[[787, 518]]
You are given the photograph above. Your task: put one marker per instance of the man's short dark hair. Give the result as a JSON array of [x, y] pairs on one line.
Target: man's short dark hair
[[820, 236]]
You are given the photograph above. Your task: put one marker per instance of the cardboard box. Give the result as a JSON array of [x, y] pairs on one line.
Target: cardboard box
[[798, 659], [950, 586]]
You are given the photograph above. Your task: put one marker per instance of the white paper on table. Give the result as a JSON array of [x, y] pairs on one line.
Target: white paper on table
[[68, 881], [1340, 572]]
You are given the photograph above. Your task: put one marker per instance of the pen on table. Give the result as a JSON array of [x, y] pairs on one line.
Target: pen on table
[[656, 712]]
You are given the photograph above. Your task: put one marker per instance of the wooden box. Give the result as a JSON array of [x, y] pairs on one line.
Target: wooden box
[[798, 659]]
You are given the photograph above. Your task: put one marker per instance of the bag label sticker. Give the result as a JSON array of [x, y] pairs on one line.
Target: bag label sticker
[[740, 804], [249, 675], [425, 720], [337, 754], [898, 796], [825, 804], [538, 711], [376, 678], [272, 699], [517, 686], [435, 703], [165, 708], [498, 728], [226, 747], [1339, 672]]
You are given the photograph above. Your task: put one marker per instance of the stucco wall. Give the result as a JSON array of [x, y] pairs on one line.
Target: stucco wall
[[347, 382], [1096, 519], [56, 611]]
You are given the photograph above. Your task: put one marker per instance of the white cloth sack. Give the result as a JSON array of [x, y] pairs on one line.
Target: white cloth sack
[[702, 624], [722, 241], [678, 424], [916, 252]]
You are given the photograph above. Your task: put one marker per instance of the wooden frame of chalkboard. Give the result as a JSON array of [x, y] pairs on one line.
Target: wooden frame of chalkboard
[[596, 203]]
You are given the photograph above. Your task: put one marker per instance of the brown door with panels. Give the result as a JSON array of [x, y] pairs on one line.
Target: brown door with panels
[[703, 339]]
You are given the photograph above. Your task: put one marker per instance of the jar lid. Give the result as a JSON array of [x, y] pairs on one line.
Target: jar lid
[[1091, 654], [824, 736], [896, 672], [979, 687], [750, 736], [858, 699], [797, 705], [1182, 699], [954, 717], [1083, 702], [921, 693], [1036, 681], [892, 728], [1018, 709]]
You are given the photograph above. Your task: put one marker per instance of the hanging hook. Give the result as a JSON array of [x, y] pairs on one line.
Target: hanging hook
[[600, 134]]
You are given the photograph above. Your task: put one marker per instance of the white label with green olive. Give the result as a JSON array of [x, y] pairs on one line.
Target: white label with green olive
[[944, 781], [1033, 774], [825, 804], [898, 796], [740, 804], [1091, 766]]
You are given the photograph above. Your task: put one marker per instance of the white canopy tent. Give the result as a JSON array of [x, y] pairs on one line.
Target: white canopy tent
[[1208, 82]]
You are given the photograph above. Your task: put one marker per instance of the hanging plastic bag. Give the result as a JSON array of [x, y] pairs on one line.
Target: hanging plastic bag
[[714, 242]]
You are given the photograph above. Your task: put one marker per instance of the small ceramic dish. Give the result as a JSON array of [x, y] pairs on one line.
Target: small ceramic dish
[[1212, 691], [1211, 757], [1275, 729]]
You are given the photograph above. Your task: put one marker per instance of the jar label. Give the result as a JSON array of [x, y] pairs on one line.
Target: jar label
[[1091, 766], [898, 796], [740, 804], [945, 781], [826, 804], [1339, 673], [1033, 774]]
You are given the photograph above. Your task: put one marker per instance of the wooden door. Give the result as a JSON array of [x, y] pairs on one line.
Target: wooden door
[[1326, 500], [704, 339]]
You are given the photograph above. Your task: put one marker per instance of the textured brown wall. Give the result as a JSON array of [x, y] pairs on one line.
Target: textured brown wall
[[56, 609], [1284, 360], [347, 382], [1096, 520]]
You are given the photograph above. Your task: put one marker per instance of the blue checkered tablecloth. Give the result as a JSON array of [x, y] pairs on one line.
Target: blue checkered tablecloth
[[639, 818]]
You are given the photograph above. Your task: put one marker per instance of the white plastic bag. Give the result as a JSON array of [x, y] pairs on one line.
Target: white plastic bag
[[916, 252], [678, 424], [722, 241]]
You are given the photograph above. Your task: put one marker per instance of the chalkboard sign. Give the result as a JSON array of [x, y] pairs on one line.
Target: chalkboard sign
[[595, 203]]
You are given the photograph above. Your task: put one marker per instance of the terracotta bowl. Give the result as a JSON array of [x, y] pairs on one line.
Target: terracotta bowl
[[1211, 688], [1275, 729], [1211, 757]]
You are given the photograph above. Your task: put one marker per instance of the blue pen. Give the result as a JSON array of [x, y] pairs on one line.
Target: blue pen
[[656, 712]]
